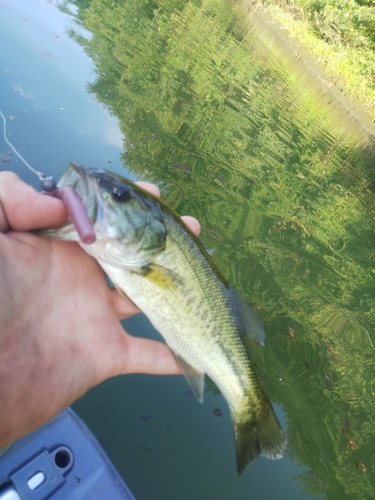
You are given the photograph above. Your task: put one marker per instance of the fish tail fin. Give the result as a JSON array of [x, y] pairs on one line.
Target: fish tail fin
[[258, 433]]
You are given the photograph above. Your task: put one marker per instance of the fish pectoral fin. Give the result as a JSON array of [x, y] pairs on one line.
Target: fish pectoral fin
[[194, 378], [161, 276], [253, 327]]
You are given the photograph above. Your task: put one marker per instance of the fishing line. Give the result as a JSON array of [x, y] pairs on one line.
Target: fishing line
[[47, 183], [67, 195]]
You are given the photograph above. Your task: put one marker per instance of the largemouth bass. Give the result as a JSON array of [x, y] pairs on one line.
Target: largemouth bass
[[151, 256]]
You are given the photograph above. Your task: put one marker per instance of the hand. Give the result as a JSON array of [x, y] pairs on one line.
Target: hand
[[60, 331]]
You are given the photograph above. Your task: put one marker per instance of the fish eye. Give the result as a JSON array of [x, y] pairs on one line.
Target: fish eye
[[120, 194]]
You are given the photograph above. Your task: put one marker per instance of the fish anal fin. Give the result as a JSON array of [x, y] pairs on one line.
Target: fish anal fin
[[253, 327], [194, 378]]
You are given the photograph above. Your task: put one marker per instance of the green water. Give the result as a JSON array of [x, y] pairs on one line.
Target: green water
[[241, 130]]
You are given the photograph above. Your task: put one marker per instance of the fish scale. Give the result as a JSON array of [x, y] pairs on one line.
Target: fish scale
[[198, 318]]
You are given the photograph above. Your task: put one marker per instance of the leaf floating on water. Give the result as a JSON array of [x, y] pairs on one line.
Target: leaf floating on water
[[328, 381], [291, 333], [345, 433], [183, 167], [306, 363], [221, 178], [353, 444], [302, 226], [217, 412], [11, 118], [6, 159], [360, 464], [333, 351], [143, 447]]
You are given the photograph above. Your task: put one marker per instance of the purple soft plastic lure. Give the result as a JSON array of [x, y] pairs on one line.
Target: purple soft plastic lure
[[77, 212]]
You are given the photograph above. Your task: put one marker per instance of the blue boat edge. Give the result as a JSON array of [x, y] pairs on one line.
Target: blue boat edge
[[60, 460]]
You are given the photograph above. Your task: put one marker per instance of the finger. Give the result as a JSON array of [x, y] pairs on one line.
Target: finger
[[23, 208], [148, 356], [148, 186], [4, 224], [123, 306], [192, 223]]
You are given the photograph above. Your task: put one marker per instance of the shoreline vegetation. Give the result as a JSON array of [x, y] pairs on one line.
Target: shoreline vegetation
[[340, 36]]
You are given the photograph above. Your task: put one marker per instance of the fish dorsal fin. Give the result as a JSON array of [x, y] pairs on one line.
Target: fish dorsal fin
[[253, 327], [161, 276], [194, 378]]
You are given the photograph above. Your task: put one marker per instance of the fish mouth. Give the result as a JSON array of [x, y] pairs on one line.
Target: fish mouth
[[79, 178], [75, 176]]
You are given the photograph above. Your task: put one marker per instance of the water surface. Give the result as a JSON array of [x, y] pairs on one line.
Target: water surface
[[240, 129]]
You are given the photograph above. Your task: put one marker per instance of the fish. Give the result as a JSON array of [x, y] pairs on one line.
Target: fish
[[152, 257]]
